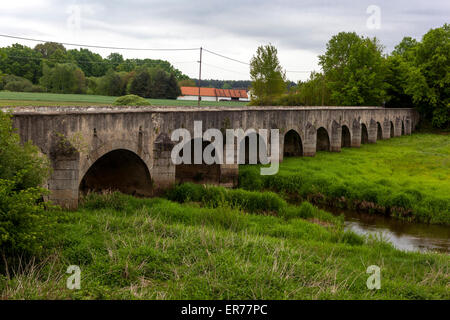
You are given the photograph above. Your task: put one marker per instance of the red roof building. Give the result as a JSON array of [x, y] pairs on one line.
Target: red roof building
[[212, 94]]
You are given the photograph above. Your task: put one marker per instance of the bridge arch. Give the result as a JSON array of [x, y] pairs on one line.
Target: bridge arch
[[346, 138], [403, 128], [118, 170], [392, 132], [364, 134], [323, 140], [199, 173], [292, 146], [379, 131], [247, 142]]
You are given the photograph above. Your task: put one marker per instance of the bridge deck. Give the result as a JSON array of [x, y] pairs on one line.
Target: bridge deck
[[115, 109]]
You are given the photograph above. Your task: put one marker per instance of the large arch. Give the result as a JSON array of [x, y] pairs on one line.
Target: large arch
[[199, 173], [364, 134], [118, 170], [292, 146], [403, 128], [379, 131], [323, 140], [346, 138], [392, 132]]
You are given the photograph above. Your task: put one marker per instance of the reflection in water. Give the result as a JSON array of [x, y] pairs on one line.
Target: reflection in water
[[407, 236]]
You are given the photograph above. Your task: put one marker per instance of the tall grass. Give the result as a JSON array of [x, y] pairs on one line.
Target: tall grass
[[406, 177], [129, 248], [256, 202]]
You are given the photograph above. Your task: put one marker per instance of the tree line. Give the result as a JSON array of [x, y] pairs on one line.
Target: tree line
[[50, 67], [356, 71]]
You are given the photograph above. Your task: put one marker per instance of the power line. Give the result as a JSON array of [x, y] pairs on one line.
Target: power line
[[141, 49], [225, 57], [246, 63], [153, 62], [99, 47]]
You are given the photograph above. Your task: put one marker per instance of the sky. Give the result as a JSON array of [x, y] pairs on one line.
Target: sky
[[234, 28]]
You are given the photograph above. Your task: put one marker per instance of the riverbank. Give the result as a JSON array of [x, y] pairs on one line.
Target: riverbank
[[221, 247], [406, 177]]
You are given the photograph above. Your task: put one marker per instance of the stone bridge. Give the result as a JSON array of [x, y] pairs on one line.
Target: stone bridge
[[129, 148]]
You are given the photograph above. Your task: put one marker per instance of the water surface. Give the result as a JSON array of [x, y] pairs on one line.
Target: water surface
[[408, 236]]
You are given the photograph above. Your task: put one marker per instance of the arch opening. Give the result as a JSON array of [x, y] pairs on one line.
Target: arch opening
[[346, 140], [392, 130], [118, 170], [251, 145], [292, 144], [364, 134], [198, 173], [323, 140], [379, 131], [403, 128]]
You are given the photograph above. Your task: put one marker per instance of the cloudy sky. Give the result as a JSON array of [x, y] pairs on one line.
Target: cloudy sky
[[300, 29]]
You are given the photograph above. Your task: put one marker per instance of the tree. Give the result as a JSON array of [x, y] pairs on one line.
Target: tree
[[268, 78], [92, 64], [111, 84], [399, 73], [141, 83], [155, 83], [21, 61], [433, 59], [165, 85], [354, 69], [64, 78], [314, 92], [418, 75], [49, 48], [115, 59]]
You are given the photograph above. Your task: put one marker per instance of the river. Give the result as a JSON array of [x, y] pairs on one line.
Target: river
[[408, 236]]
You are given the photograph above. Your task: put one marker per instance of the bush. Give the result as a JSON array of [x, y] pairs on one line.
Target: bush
[[131, 100], [22, 170], [22, 220], [19, 86]]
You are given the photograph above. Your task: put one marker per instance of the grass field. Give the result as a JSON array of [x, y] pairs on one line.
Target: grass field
[[158, 249], [407, 177], [11, 99]]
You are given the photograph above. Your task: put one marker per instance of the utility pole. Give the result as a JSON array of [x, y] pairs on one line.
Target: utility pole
[[200, 77]]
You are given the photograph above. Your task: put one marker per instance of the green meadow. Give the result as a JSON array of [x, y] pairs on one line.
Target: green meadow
[[14, 99], [406, 177], [204, 246]]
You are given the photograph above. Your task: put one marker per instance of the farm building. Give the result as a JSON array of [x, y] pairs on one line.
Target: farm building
[[212, 94]]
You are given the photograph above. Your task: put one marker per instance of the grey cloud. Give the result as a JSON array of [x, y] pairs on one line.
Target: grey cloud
[[292, 25]]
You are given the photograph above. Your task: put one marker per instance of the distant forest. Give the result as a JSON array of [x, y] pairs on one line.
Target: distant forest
[[50, 67], [226, 84]]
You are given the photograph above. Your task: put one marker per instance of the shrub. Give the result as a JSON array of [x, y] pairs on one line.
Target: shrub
[[19, 86], [22, 215], [185, 192], [131, 100], [22, 220], [400, 200]]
